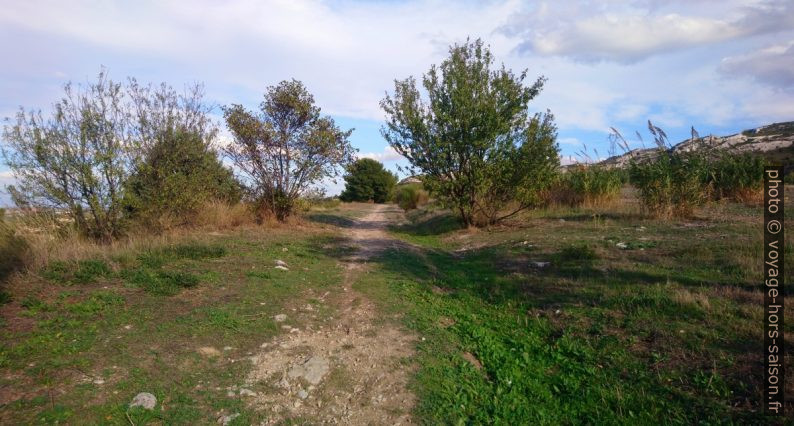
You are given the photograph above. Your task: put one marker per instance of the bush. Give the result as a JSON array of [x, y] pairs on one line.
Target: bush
[[367, 180], [178, 176], [588, 185], [738, 177], [409, 197], [672, 184]]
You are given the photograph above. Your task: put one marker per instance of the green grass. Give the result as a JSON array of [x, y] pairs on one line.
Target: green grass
[[76, 272], [82, 352], [633, 321], [664, 329]]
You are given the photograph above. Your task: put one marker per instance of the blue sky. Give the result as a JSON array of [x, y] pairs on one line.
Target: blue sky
[[720, 66]]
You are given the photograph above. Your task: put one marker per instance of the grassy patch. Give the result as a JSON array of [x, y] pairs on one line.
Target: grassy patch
[[662, 326], [87, 351], [76, 272]]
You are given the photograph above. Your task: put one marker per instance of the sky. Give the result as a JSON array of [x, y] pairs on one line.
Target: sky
[[721, 66]]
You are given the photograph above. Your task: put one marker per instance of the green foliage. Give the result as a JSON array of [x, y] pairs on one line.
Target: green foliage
[[287, 148], [76, 160], [160, 282], [80, 158], [76, 272], [672, 184], [472, 140], [736, 176], [180, 172], [587, 184], [151, 276], [410, 196], [366, 180]]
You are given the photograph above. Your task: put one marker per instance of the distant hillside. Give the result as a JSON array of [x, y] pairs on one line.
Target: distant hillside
[[775, 142]]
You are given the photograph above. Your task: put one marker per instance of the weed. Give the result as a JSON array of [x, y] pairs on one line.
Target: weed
[[410, 196], [159, 282], [76, 272], [586, 185]]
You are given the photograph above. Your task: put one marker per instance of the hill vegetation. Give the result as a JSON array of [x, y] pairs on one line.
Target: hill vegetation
[[498, 288]]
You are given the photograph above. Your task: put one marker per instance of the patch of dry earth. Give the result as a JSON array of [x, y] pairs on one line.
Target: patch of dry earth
[[349, 370]]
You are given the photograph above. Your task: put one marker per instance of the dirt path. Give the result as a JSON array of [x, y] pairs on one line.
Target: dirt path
[[347, 369]]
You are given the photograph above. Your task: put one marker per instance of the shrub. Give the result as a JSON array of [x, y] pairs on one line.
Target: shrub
[[78, 159], [587, 184], [672, 184], [367, 180], [179, 174], [738, 177], [409, 197]]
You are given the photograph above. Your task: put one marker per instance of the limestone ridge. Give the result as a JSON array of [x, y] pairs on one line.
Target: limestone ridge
[[775, 142]]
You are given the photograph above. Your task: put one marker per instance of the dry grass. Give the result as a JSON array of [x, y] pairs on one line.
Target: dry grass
[[220, 215], [685, 297], [31, 241], [749, 196]]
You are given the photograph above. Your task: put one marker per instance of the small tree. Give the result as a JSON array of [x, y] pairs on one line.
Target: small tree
[[472, 139], [366, 179], [78, 159], [287, 148]]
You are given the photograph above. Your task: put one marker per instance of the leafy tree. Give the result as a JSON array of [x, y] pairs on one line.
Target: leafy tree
[[78, 159], [287, 148], [472, 139], [82, 157], [366, 179]]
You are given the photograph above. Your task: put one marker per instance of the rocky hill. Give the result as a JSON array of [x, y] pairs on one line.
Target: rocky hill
[[775, 142]]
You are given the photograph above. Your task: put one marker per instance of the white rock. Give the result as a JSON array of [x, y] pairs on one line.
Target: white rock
[[622, 246], [144, 400], [225, 420], [302, 394], [540, 264], [280, 317], [283, 268], [280, 262], [312, 370], [247, 392]]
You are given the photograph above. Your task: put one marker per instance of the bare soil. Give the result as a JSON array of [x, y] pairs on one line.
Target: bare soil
[[350, 369]]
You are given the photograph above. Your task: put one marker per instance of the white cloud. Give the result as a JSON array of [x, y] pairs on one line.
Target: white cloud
[[347, 53], [388, 154], [631, 31], [608, 63], [772, 65]]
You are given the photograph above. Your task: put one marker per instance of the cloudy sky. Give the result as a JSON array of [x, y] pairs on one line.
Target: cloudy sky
[[718, 65]]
